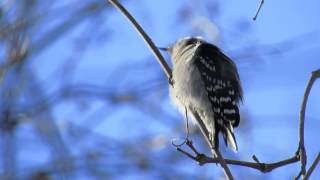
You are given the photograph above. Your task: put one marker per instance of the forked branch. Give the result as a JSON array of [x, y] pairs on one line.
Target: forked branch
[[263, 167]]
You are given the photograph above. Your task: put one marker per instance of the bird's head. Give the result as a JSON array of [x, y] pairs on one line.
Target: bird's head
[[183, 46]]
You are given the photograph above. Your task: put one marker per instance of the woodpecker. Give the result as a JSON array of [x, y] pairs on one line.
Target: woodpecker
[[206, 83]]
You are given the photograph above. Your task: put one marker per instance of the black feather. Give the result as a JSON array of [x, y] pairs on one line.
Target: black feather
[[222, 83]]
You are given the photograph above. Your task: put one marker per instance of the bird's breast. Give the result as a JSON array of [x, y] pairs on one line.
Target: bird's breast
[[189, 90]]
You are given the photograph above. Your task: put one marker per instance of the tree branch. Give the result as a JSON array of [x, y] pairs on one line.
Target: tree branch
[[313, 166], [145, 37], [258, 10], [263, 167], [301, 150]]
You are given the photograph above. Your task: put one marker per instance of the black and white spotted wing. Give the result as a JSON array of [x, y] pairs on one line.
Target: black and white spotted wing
[[222, 83]]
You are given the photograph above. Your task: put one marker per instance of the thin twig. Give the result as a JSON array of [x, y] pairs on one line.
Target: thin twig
[[301, 150], [313, 166], [258, 10], [254, 157], [145, 37], [263, 167], [187, 154], [190, 144], [298, 177]]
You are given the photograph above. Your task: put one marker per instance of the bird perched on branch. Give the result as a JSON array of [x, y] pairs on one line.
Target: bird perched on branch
[[206, 83]]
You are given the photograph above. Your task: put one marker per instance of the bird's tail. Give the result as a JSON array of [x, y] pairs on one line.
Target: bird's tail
[[228, 136], [226, 130]]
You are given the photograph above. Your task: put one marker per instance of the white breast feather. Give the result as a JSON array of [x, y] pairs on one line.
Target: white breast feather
[[189, 91]]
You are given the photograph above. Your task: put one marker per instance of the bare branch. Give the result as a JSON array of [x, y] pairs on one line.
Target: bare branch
[[145, 37], [301, 150], [258, 10], [263, 167], [187, 154], [313, 166]]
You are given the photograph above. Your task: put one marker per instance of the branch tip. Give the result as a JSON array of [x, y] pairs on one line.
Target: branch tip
[[254, 157], [258, 10]]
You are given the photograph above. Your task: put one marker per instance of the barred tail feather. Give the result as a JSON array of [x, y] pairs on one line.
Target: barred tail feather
[[230, 138], [213, 139]]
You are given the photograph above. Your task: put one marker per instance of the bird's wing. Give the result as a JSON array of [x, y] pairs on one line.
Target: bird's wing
[[223, 88]]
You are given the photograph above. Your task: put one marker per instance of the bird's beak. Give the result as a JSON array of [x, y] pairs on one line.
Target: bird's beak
[[163, 48]]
